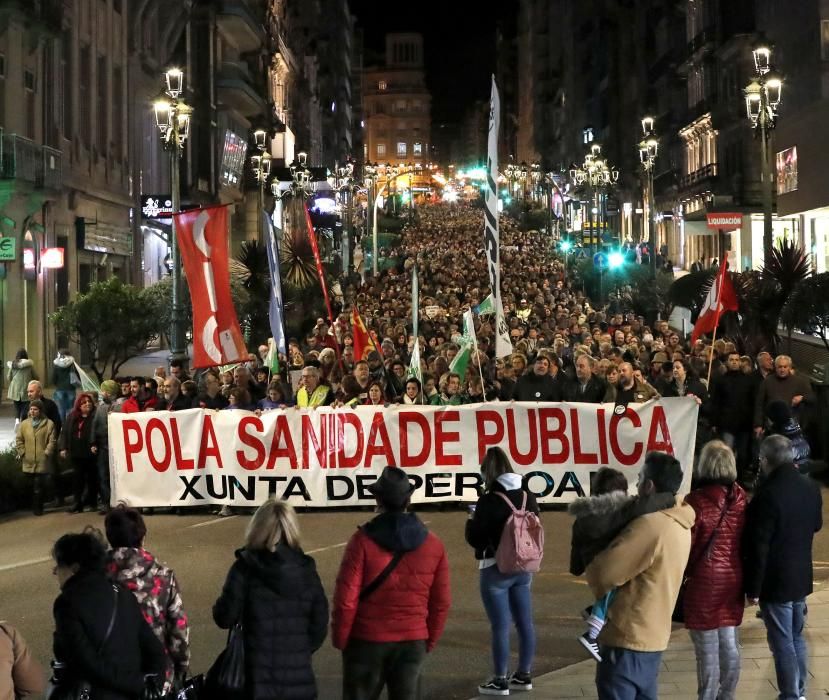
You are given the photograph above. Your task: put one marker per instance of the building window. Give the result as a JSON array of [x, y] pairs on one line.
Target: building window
[[587, 135], [29, 80], [381, 150], [2, 65], [417, 149], [824, 39], [84, 111], [102, 105], [400, 106], [66, 84], [381, 85], [401, 149], [117, 109]]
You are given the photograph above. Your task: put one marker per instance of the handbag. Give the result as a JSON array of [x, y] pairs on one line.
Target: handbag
[[75, 689], [678, 614], [226, 678]]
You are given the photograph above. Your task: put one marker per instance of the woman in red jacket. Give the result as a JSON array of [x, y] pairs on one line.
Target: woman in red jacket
[[391, 598], [713, 603]]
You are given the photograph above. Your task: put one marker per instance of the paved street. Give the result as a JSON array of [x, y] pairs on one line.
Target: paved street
[[200, 548]]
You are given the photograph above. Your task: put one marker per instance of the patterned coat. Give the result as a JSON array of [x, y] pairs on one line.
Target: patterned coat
[[159, 597]]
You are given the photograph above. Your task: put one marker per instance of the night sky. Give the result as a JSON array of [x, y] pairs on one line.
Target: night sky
[[459, 46]]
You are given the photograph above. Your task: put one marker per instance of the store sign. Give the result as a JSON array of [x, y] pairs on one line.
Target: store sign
[[8, 249], [51, 258], [157, 206], [724, 222]]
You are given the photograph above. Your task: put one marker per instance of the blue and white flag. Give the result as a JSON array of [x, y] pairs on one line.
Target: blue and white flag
[[276, 312]]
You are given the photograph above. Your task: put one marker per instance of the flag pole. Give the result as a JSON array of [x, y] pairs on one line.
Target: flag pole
[[717, 316], [478, 359]]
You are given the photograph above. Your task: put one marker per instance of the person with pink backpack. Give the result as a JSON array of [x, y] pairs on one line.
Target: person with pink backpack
[[506, 533]]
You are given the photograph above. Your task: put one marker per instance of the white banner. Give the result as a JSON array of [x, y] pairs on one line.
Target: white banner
[[328, 457]]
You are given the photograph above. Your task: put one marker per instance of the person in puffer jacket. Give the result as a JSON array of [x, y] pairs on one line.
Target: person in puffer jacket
[[385, 633], [154, 586], [507, 598], [274, 590], [713, 602], [782, 422]]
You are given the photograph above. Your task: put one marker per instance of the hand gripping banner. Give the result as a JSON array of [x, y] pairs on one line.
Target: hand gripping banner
[[202, 239], [329, 457]]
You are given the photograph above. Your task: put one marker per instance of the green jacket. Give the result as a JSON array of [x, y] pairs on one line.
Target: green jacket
[[35, 445], [443, 400]]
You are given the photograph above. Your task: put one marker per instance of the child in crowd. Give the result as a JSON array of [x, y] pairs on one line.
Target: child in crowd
[[599, 519]]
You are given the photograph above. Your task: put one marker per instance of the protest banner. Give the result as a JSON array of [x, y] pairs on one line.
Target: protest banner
[[328, 457]]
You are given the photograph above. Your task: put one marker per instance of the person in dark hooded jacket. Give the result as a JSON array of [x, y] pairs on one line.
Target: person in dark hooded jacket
[[386, 624], [780, 421], [273, 588]]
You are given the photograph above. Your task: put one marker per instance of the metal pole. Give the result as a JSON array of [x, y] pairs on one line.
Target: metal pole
[[768, 235], [374, 242], [651, 223], [177, 347]]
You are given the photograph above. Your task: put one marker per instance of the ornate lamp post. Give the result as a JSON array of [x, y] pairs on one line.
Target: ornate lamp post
[[648, 149], [762, 103], [595, 174], [261, 164], [172, 116]]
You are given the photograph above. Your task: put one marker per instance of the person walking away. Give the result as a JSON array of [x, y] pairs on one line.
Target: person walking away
[[21, 676], [35, 442], [21, 372], [65, 379], [645, 563], [599, 520], [391, 598], [100, 440], [780, 421], [154, 586], [507, 597], [75, 442], [781, 521], [713, 603], [100, 635], [274, 590]]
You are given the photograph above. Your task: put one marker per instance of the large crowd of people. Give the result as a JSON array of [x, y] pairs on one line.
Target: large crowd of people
[[713, 548]]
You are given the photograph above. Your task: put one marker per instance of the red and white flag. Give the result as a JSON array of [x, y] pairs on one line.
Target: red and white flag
[[202, 240], [721, 297]]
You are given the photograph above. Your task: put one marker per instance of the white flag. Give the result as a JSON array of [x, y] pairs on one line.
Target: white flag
[[503, 346]]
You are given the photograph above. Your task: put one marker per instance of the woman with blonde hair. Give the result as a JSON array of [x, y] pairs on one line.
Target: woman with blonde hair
[[274, 591], [713, 600]]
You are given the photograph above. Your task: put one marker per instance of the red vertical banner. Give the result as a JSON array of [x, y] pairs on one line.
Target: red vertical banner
[[202, 240], [312, 236]]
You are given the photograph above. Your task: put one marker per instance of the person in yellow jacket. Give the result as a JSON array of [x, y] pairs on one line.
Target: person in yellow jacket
[[35, 442], [645, 563], [313, 392]]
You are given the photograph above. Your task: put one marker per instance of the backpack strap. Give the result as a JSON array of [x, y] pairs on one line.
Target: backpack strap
[[509, 502]]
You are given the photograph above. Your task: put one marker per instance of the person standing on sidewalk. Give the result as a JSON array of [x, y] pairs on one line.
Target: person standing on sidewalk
[[100, 440], [646, 563], [35, 442], [75, 442], [49, 409], [713, 601], [781, 522], [391, 598], [507, 598], [21, 372]]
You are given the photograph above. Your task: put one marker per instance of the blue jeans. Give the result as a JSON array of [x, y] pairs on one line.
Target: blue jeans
[[65, 399], [623, 674], [508, 598], [784, 629]]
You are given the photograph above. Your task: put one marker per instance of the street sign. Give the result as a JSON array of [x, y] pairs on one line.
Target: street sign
[[8, 249], [600, 261]]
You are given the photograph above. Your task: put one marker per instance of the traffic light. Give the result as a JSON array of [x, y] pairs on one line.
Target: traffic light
[[615, 260]]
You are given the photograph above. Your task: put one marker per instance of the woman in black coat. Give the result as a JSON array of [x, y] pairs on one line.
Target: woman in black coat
[[88, 603], [75, 443], [273, 588]]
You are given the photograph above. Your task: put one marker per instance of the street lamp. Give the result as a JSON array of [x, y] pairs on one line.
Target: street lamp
[[345, 187], [762, 96], [173, 117], [370, 173], [596, 175], [261, 165], [648, 149]]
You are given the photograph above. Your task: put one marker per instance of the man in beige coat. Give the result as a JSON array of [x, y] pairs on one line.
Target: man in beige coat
[[35, 442], [645, 563], [20, 675]]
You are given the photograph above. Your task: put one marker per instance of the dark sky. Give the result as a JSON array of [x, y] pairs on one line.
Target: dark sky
[[459, 38]]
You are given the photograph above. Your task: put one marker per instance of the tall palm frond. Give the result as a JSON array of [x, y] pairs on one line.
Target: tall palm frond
[[297, 258]]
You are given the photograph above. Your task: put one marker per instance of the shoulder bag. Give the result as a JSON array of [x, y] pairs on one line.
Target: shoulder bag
[[679, 609], [60, 688], [226, 678], [382, 576]]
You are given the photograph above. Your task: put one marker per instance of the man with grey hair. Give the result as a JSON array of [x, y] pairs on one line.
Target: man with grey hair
[[785, 385], [781, 521]]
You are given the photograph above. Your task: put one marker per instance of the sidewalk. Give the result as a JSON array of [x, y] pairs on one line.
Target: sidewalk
[[678, 678]]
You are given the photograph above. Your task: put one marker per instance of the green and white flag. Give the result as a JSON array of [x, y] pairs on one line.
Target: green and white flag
[[88, 384], [487, 306], [414, 363], [272, 358], [468, 343]]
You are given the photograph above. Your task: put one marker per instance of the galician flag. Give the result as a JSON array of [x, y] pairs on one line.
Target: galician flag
[[486, 307], [414, 363], [276, 314], [468, 343], [492, 241]]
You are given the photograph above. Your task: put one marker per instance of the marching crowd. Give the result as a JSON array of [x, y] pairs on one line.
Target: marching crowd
[[648, 557]]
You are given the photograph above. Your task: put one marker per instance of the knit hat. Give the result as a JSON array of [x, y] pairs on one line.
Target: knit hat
[[37, 403], [110, 386]]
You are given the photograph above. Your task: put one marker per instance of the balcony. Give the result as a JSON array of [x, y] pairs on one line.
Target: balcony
[[25, 161], [237, 91], [707, 172], [243, 22]]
